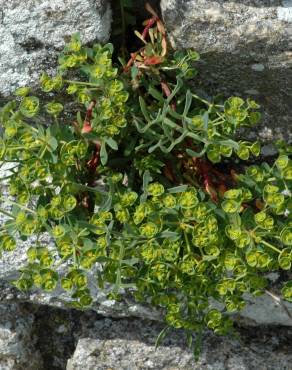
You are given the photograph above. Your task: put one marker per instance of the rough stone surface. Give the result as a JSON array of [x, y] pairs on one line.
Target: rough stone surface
[[130, 345], [45, 338], [17, 343], [34, 31], [245, 50]]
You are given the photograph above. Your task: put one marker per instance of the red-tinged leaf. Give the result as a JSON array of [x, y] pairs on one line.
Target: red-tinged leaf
[[211, 191], [149, 24], [130, 62], [234, 175], [153, 60], [86, 128], [141, 36], [168, 172], [222, 190], [165, 89], [160, 27], [259, 204], [164, 47]]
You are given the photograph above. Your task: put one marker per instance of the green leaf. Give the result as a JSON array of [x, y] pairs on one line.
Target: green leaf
[[53, 143], [285, 263], [230, 206], [169, 234], [134, 72], [178, 189], [161, 336], [196, 154], [282, 162], [286, 236], [29, 106], [287, 291], [156, 94], [144, 109], [235, 102], [112, 143], [231, 143], [103, 154]]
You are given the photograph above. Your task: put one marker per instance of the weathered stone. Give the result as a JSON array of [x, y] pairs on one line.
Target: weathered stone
[[17, 343], [42, 337], [130, 345], [34, 31], [245, 50]]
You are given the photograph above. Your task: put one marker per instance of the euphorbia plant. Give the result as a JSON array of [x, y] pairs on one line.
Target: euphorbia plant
[[142, 183]]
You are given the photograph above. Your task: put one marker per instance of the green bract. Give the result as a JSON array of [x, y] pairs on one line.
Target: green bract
[[230, 206], [286, 236], [130, 182], [29, 106]]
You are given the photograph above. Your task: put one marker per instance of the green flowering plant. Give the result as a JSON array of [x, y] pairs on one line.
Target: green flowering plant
[[134, 185]]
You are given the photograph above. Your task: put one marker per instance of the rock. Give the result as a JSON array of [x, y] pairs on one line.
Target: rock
[[37, 337], [34, 31], [130, 345], [266, 310], [245, 49], [17, 343]]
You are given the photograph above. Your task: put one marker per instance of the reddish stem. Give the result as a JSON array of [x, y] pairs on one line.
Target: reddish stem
[[168, 172], [94, 161], [89, 110], [149, 24], [131, 61], [167, 92], [86, 124], [208, 185]]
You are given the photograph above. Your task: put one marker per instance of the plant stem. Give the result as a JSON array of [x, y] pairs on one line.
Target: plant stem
[[187, 242], [270, 246], [278, 300], [19, 205], [202, 100], [81, 83], [7, 177], [7, 213]]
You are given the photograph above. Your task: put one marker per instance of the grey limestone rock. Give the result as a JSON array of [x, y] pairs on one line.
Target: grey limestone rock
[[130, 345], [245, 50], [34, 31], [17, 343], [36, 337]]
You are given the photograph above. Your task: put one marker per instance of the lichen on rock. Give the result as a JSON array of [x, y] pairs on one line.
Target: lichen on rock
[[34, 32]]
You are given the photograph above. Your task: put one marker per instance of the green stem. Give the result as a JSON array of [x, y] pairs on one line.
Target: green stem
[[81, 83], [21, 147], [85, 187], [187, 243], [18, 205], [7, 177], [240, 277], [270, 246], [181, 130], [74, 257], [7, 213], [202, 100], [30, 127]]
